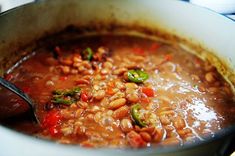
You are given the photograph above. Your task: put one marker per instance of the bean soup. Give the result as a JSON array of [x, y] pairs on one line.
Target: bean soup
[[121, 91]]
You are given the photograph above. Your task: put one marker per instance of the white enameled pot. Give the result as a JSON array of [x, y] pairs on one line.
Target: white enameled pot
[[22, 25]]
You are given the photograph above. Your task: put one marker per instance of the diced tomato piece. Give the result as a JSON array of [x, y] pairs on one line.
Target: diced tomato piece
[[26, 89], [135, 140], [148, 91], [8, 77], [103, 77], [138, 51], [111, 84], [110, 91], [51, 119], [144, 100], [63, 78], [154, 47], [84, 96], [168, 57], [54, 130]]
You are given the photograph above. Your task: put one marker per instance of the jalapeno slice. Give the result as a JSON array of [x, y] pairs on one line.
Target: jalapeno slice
[[66, 97], [87, 54], [136, 115], [73, 91], [60, 100], [137, 76]]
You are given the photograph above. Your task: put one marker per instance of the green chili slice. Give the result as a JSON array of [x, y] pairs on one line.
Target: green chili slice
[[60, 100], [72, 92], [58, 92], [65, 96], [136, 115], [137, 76], [87, 54]]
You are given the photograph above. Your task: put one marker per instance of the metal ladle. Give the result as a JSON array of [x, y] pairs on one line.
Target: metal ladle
[[10, 86]]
